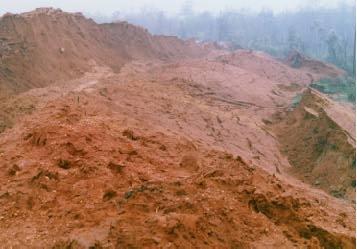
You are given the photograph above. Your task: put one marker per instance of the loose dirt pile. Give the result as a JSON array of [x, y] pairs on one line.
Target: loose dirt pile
[[47, 45], [166, 149], [80, 173]]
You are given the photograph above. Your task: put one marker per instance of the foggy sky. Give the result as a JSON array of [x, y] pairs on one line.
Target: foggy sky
[[169, 6]]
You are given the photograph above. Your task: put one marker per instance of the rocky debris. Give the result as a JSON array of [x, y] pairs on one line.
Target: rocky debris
[[13, 170], [130, 134], [109, 194], [64, 164], [115, 167], [311, 111]]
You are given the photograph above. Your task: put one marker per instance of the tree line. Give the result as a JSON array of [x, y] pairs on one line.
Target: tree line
[[321, 33]]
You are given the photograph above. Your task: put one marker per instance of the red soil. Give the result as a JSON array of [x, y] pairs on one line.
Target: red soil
[[47, 45], [167, 145]]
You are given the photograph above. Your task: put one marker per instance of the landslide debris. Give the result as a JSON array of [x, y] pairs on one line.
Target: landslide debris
[[320, 151], [154, 146], [131, 184], [184, 196], [47, 45]]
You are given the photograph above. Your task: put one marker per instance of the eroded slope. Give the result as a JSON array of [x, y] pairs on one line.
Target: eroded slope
[[79, 173], [47, 45], [169, 151], [321, 152]]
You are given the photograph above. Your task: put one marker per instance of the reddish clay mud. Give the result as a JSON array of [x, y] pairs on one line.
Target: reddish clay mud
[[113, 138]]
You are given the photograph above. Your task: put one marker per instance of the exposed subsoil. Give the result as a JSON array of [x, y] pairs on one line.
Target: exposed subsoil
[[321, 152], [168, 144]]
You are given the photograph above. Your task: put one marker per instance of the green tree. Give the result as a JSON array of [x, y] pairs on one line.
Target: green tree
[[333, 47]]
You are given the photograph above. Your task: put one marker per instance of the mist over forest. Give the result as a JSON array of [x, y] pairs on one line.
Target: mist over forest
[[322, 33]]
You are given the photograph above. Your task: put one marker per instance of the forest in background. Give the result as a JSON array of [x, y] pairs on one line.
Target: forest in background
[[321, 33], [326, 34]]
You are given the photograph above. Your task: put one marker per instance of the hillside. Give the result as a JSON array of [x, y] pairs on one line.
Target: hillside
[[141, 141], [47, 45]]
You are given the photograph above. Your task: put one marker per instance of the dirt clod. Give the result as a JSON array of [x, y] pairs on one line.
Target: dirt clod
[[64, 164]]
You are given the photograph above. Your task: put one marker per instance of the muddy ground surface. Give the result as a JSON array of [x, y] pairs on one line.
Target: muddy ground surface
[[207, 151]]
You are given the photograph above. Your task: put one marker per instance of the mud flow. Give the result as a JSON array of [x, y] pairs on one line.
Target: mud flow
[[111, 137]]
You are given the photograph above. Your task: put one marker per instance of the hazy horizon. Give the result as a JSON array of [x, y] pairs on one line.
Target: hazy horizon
[[107, 7]]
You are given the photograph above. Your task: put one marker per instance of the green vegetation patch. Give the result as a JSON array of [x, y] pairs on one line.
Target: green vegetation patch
[[342, 88], [296, 100]]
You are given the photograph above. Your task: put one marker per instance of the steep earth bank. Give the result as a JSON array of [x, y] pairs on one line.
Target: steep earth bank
[[320, 151]]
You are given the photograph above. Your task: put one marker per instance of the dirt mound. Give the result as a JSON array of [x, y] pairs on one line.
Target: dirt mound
[[321, 152], [321, 69], [78, 175], [47, 45], [151, 148]]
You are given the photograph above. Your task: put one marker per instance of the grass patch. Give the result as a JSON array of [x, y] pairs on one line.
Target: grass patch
[[296, 100]]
